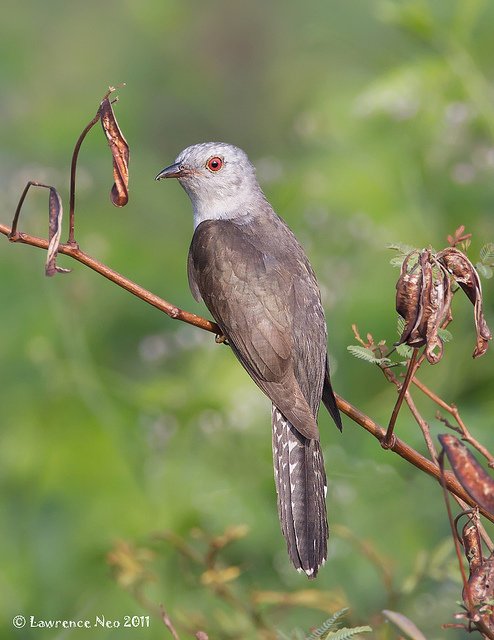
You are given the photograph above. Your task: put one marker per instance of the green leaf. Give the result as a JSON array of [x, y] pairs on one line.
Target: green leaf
[[404, 351], [345, 633], [414, 17], [329, 624], [445, 335], [484, 270], [397, 261], [363, 353], [401, 247], [487, 254], [400, 325]]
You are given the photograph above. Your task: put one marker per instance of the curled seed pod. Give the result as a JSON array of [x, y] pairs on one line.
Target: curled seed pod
[[470, 474], [408, 292], [479, 592], [119, 194], [466, 276]]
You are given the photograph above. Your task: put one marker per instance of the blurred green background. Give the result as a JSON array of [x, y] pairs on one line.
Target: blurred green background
[[369, 122]]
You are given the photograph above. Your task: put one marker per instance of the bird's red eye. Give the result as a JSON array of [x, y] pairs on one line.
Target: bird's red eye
[[215, 163]]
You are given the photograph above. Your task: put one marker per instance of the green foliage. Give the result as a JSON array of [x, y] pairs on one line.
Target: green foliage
[[364, 353], [329, 625], [329, 629], [486, 264], [403, 250]]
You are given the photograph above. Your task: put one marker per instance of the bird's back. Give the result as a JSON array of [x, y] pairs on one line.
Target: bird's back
[[259, 286]]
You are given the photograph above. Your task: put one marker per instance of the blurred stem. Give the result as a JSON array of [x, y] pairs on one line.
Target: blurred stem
[[360, 418], [452, 409]]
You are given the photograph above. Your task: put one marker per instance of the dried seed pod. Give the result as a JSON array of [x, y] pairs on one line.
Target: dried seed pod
[[468, 279], [408, 292], [479, 592], [470, 474], [423, 299], [54, 233], [120, 150], [473, 545]]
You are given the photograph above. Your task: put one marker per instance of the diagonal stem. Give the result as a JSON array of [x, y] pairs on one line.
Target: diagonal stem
[[412, 368]]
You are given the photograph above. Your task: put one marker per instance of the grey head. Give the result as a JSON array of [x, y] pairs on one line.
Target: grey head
[[220, 181]]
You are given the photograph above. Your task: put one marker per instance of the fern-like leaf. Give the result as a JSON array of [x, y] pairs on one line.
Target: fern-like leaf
[[364, 353], [487, 254], [401, 247], [345, 633], [445, 335], [404, 351], [328, 625], [484, 270]]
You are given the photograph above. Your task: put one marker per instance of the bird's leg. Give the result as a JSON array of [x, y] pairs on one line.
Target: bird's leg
[[389, 439], [221, 339]]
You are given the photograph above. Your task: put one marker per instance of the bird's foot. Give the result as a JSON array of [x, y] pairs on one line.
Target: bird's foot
[[221, 339]]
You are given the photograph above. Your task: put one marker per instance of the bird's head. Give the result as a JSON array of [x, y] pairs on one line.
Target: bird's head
[[218, 178]]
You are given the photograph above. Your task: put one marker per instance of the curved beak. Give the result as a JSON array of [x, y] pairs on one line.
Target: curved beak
[[176, 170]]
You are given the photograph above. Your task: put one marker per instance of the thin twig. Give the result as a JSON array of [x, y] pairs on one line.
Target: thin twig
[[168, 623], [412, 368], [452, 409], [423, 424], [73, 167], [408, 453], [31, 183]]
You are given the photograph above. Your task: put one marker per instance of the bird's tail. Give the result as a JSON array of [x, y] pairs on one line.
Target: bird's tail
[[301, 487]]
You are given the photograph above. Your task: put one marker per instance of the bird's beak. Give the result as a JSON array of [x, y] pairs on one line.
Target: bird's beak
[[176, 170]]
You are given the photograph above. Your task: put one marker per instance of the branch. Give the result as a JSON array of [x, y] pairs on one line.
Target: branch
[[398, 446], [143, 294]]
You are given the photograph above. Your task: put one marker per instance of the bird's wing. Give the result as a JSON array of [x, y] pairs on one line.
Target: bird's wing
[[252, 298]]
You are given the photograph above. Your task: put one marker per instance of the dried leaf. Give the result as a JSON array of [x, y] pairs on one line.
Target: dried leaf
[[465, 275], [404, 624], [470, 474], [54, 233], [120, 150], [220, 576], [129, 564]]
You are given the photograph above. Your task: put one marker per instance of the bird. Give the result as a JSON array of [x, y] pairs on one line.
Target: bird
[[254, 277]]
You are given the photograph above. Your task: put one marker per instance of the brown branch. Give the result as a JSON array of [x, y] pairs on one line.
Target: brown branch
[[136, 290], [408, 453], [401, 448]]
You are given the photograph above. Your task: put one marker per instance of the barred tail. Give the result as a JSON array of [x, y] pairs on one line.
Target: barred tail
[[301, 487]]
